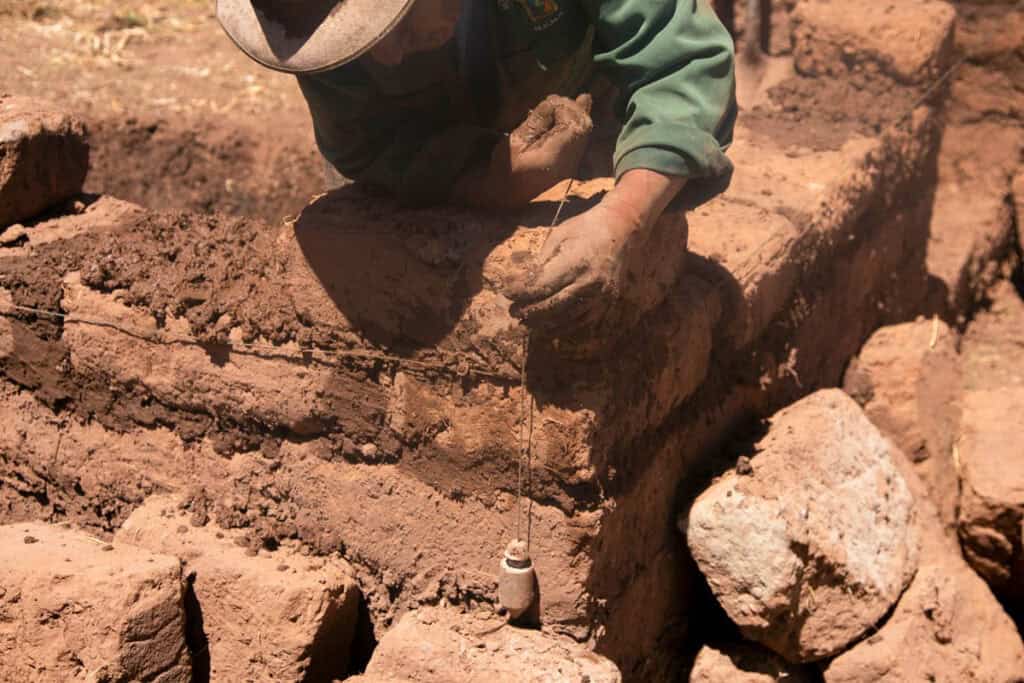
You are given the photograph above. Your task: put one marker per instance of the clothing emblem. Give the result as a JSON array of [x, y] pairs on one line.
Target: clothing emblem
[[539, 10]]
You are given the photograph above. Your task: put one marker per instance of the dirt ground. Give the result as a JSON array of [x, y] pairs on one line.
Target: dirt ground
[[180, 118]]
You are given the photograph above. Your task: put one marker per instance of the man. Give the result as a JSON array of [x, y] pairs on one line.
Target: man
[[418, 97]]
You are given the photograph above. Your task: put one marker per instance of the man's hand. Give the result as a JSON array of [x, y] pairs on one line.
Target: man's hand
[[545, 149], [579, 265], [608, 258]]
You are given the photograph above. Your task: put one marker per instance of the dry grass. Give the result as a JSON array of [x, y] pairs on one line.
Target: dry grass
[[115, 58], [111, 15], [103, 29]]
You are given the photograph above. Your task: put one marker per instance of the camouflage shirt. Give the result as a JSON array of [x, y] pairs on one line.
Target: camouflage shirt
[[414, 128]]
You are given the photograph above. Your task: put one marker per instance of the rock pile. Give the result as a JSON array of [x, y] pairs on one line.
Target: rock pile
[[827, 547], [354, 377], [356, 373], [958, 403]]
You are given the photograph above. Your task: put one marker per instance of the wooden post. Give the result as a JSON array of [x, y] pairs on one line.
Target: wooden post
[[726, 10], [765, 24]]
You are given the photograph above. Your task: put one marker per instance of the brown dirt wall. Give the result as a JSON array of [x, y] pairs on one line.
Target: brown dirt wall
[[273, 473]]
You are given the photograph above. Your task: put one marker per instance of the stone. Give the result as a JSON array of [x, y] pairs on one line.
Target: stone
[[446, 645], [907, 379], [904, 378], [810, 552], [990, 450], [971, 242], [992, 491], [971, 236], [44, 158], [744, 663], [947, 627], [14, 235], [909, 42], [985, 94], [273, 616], [73, 608], [989, 29]]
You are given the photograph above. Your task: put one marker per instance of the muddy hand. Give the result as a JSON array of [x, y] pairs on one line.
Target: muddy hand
[[606, 268], [578, 273], [546, 148], [552, 128], [548, 145]]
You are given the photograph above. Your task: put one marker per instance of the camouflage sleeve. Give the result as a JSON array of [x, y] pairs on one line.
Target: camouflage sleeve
[[415, 156], [672, 61]]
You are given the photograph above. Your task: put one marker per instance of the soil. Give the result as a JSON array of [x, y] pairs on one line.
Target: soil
[[856, 106], [220, 152], [205, 163], [225, 263], [180, 118]]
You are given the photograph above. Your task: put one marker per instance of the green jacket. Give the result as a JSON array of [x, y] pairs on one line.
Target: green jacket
[[413, 129]]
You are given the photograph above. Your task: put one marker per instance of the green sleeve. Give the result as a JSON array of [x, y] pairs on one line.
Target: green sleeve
[[672, 61], [414, 155]]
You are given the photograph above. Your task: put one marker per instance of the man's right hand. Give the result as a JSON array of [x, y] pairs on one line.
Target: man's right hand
[[545, 149]]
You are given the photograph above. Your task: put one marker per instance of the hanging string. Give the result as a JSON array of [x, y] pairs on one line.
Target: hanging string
[[524, 477], [525, 439]]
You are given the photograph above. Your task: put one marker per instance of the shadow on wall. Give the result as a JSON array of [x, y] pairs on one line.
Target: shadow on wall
[[195, 635], [402, 285], [1018, 275]]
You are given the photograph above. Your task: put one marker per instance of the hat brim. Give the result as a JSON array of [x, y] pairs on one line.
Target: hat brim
[[350, 29]]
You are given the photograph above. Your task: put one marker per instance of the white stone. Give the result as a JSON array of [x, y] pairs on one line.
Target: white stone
[[812, 549]]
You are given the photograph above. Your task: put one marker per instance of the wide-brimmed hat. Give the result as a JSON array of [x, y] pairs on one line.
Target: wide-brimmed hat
[[306, 36]]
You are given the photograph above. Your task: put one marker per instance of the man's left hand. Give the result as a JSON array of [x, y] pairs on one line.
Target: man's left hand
[[579, 267]]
